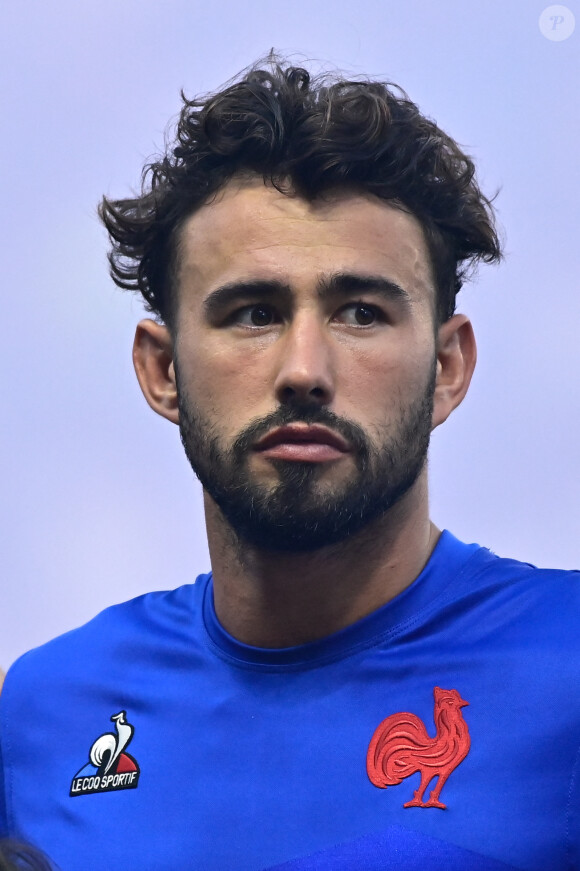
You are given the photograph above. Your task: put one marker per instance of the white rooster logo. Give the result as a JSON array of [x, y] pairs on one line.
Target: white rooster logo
[[112, 743]]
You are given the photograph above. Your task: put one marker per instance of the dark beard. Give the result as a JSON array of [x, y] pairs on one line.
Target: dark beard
[[297, 514]]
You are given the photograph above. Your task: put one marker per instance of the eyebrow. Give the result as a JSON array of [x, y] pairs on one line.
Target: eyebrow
[[344, 284], [236, 291], [350, 284]]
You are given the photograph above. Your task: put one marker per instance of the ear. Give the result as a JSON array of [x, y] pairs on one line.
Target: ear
[[153, 361], [456, 356]]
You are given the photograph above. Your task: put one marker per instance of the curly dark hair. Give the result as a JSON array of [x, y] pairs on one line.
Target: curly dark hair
[[17, 856], [304, 135]]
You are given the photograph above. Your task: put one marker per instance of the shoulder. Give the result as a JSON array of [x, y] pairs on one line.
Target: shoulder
[[488, 590], [121, 634], [527, 602], [492, 569], [485, 567]]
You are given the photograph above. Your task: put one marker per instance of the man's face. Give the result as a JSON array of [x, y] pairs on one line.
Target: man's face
[[305, 360]]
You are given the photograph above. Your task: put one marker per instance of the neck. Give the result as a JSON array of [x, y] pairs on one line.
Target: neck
[[269, 599]]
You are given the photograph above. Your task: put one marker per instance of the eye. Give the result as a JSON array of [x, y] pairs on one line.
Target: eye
[[258, 315], [365, 315], [359, 314]]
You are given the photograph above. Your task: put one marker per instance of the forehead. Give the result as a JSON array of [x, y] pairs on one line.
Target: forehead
[[251, 230]]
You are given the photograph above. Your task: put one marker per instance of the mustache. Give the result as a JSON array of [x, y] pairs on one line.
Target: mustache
[[302, 413]]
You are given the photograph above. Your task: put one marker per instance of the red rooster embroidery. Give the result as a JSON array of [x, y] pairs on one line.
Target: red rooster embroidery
[[401, 746]]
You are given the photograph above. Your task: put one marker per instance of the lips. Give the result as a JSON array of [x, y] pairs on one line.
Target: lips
[[302, 442]]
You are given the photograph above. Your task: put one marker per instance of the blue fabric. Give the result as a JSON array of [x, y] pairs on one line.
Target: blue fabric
[[3, 815], [395, 848], [247, 759]]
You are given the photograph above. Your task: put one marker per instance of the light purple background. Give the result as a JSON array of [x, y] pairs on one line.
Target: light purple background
[[99, 504]]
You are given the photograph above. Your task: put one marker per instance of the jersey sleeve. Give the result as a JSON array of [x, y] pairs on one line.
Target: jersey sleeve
[[573, 816], [3, 813]]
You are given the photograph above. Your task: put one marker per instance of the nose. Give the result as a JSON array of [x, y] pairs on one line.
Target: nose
[[305, 370]]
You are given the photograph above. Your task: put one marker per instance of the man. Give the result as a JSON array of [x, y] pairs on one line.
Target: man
[[350, 688]]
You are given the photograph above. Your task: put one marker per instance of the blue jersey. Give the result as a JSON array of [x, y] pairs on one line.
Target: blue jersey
[[440, 732]]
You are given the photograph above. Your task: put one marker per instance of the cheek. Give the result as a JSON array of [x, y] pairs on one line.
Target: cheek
[[228, 386], [376, 384], [389, 362]]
